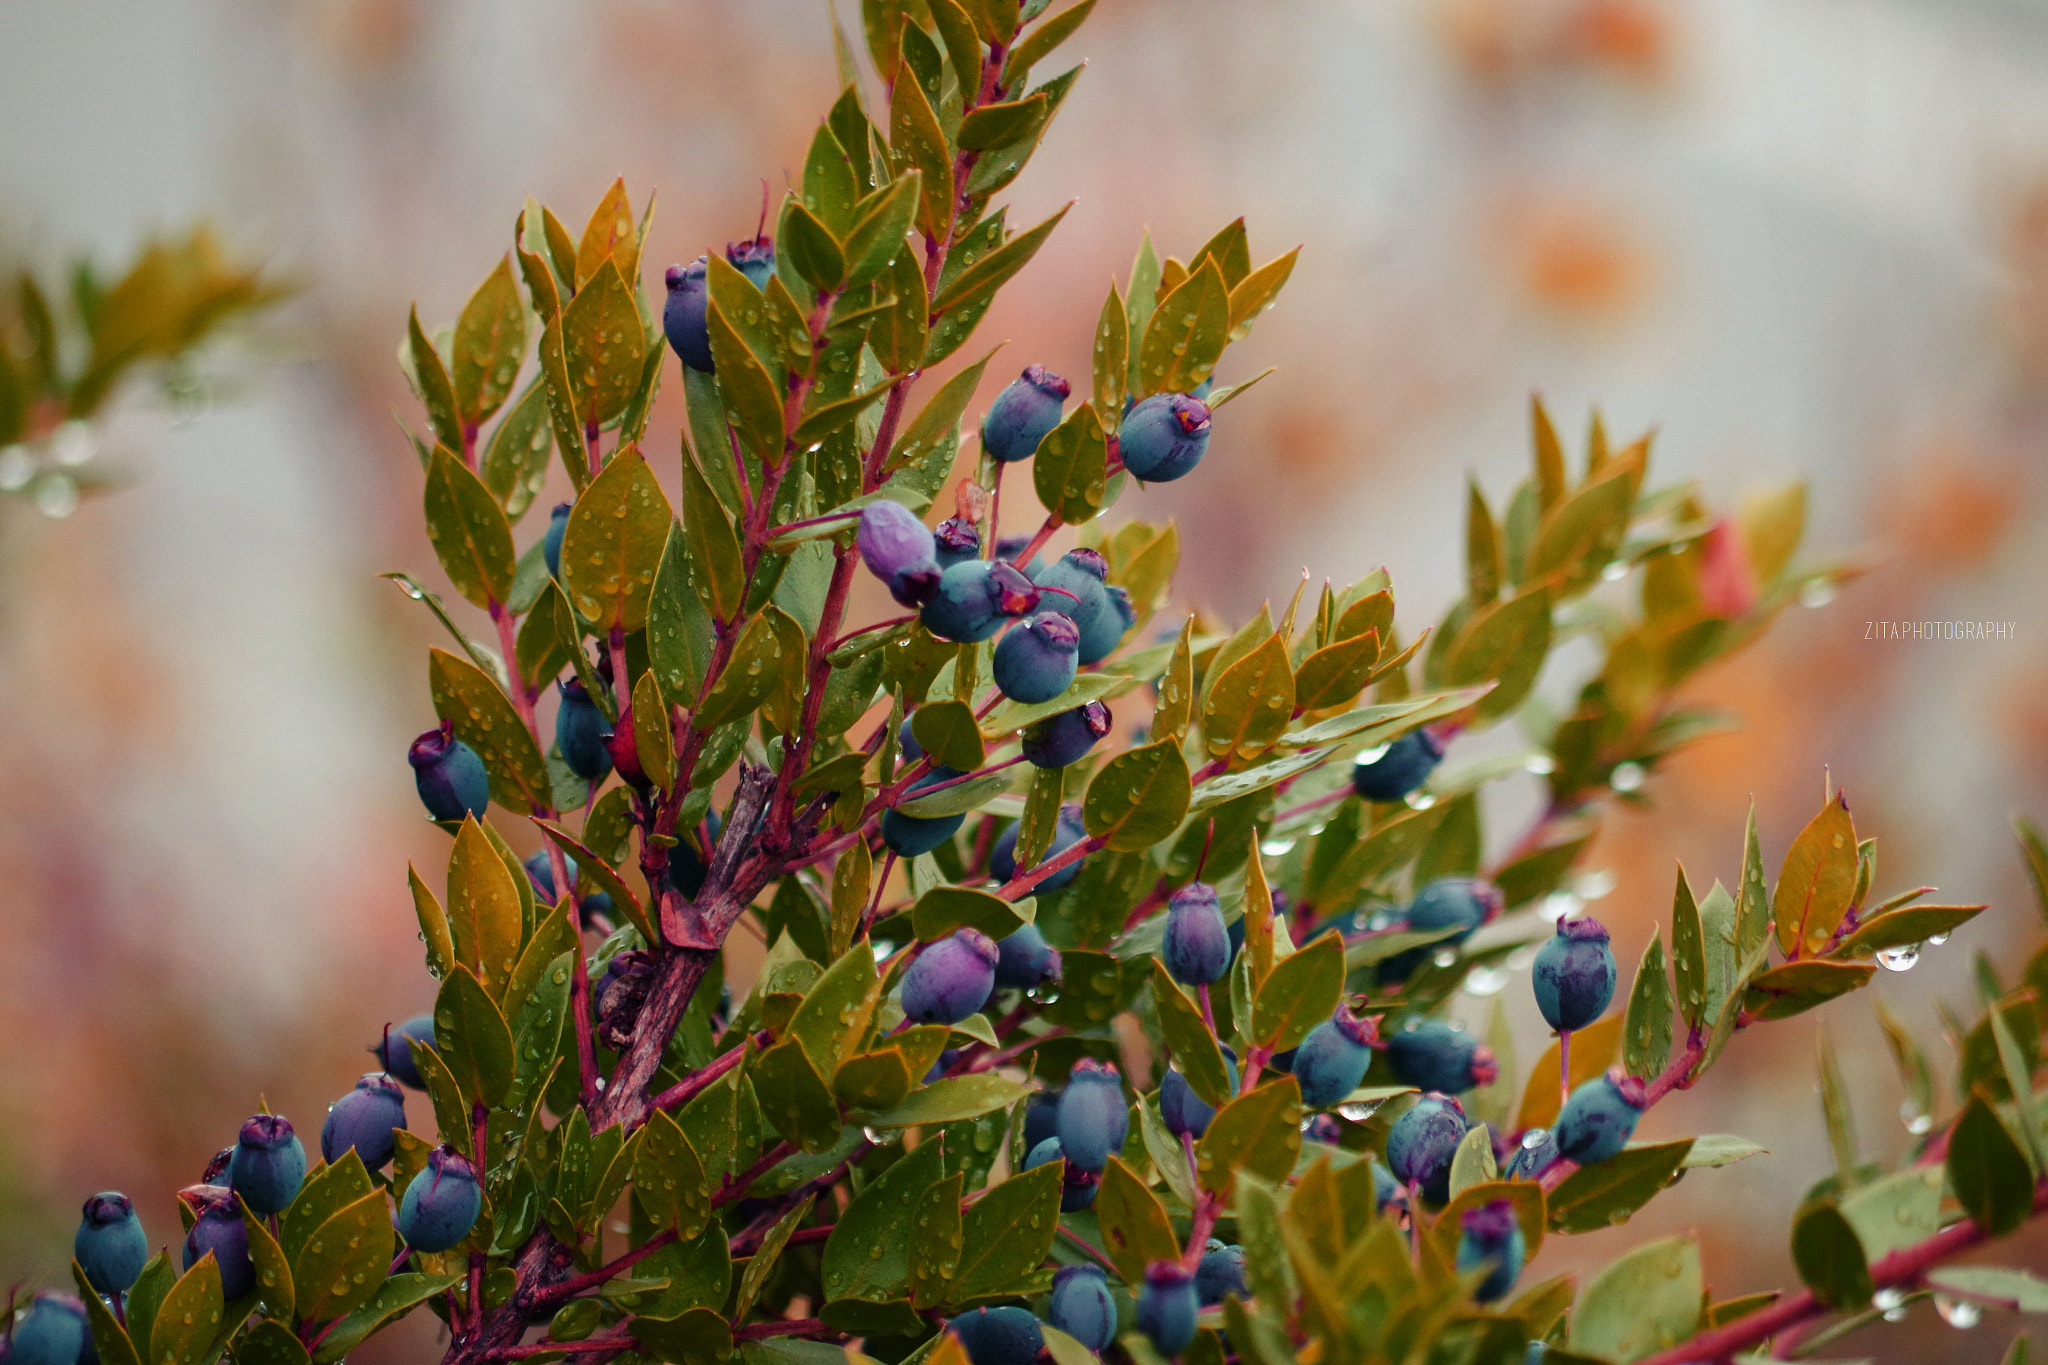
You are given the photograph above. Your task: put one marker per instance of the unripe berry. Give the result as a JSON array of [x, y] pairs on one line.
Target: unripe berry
[[1574, 976], [999, 1336], [955, 542], [363, 1119], [1490, 1238], [1220, 1273], [1077, 1187], [1600, 1117], [1196, 949], [1164, 436], [1081, 1306], [974, 598], [1457, 903], [1094, 1120], [1422, 1142], [269, 1164], [1080, 573], [1431, 1055], [220, 1230], [111, 1246], [951, 979], [1100, 637], [1002, 858], [442, 1202], [1167, 1307], [1405, 765], [1023, 413], [686, 316], [899, 550], [1065, 739], [1025, 960], [551, 539], [52, 1332], [909, 835], [394, 1050], [1036, 661], [625, 750], [450, 777], [1333, 1059], [582, 733], [1185, 1113]]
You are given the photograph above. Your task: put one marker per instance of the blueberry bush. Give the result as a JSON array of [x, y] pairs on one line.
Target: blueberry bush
[[1110, 957]]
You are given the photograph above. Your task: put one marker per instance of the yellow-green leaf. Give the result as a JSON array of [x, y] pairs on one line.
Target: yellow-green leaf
[[343, 1262], [483, 907], [1186, 334], [918, 143], [1071, 471], [603, 345], [490, 340], [1817, 880], [612, 545], [1139, 797], [1250, 703], [469, 530]]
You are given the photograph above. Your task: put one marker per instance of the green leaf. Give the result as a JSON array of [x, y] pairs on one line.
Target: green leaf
[[1071, 471], [1606, 1193], [434, 931], [812, 248], [437, 391], [490, 339], [473, 1038], [879, 1220], [329, 1188], [951, 1099], [1334, 674], [1139, 797], [1186, 333], [1112, 343], [795, 1098], [1895, 1211], [1796, 987], [185, 1327], [1646, 1030], [2000, 1286], [653, 739], [1835, 1109], [2036, 854], [1504, 643], [878, 232], [1249, 297], [468, 527], [944, 909], [274, 1289], [1301, 992], [1189, 1038], [613, 543], [696, 1337], [485, 721], [948, 732], [978, 283], [1988, 1170], [1582, 535], [1752, 901], [1817, 881], [394, 1298], [1135, 1228], [2018, 1067], [1006, 1233], [109, 1338], [1247, 707], [1483, 571], [669, 1177], [603, 345], [753, 671], [484, 909], [751, 392], [935, 1245], [1010, 717], [1829, 1258], [763, 1260], [959, 798], [1259, 1133], [1908, 925], [1642, 1303], [343, 1263], [1040, 42], [836, 1011], [938, 422], [918, 143]]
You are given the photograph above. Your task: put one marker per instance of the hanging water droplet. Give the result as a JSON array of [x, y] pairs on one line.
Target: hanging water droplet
[[1357, 1112], [1889, 1302], [1626, 777], [1958, 1313], [1899, 959], [1540, 764], [873, 1135], [1614, 572], [1816, 592], [1485, 981], [1375, 754], [1420, 800], [56, 496], [1916, 1121], [1936, 940], [1444, 957], [1275, 848]]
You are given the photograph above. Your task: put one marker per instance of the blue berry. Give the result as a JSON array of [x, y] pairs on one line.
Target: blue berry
[[951, 979], [582, 733], [1196, 948], [755, 259], [1458, 903], [1036, 661], [1333, 1059], [1422, 1142], [1002, 858], [999, 1336], [906, 742], [1490, 1238], [1185, 1113], [1164, 436], [450, 777], [1041, 1118], [442, 1202], [1531, 1159], [52, 1332], [1077, 1187], [1022, 415], [1220, 1273], [909, 835], [1574, 976], [1386, 1191], [1100, 637], [974, 598], [1081, 1306], [1080, 574], [220, 1230], [1094, 1120], [1025, 960], [1600, 1117], [1065, 739], [956, 541], [394, 1051], [687, 868], [899, 550], [269, 1164], [111, 1246], [551, 539], [1431, 1055], [363, 1119], [1167, 1307], [1405, 765], [686, 316]]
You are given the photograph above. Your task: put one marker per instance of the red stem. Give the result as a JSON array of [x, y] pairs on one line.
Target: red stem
[[683, 1091], [789, 1327], [1037, 543], [1021, 885]]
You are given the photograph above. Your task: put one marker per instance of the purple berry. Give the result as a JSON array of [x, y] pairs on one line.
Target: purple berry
[[899, 550], [1002, 858], [956, 541], [394, 1050], [364, 1119], [1080, 574], [1167, 1307], [1574, 976], [551, 539], [1185, 1113], [220, 1230], [582, 733], [1164, 436], [1196, 949], [1094, 1120], [1333, 1059], [1431, 1055], [951, 979], [111, 1246], [1490, 1239], [999, 1336], [442, 1202], [269, 1164], [1022, 414], [1220, 1273], [1065, 739], [1025, 960], [1422, 1142], [451, 778], [686, 316], [1405, 765], [975, 597], [909, 835], [1600, 1117], [1081, 1306], [1036, 661], [1100, 637], [52, 1332]]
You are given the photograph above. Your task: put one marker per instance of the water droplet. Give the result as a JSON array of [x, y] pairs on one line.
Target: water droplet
[[1916, 1122], [1420, 800], [1899, 959], [1375, 754], [56, 496], [1485, 981], [1958, 1313], [1888, 1301], [873, 1135], [1274, 848], [1444, 957], [17, 467], [73, 444], [1540, 764], [1358, 1112], [1816, 592], [1626, 777], [1614, 571], [1936, 940]]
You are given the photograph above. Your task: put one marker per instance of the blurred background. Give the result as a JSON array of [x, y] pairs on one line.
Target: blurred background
[[1799, 238]]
